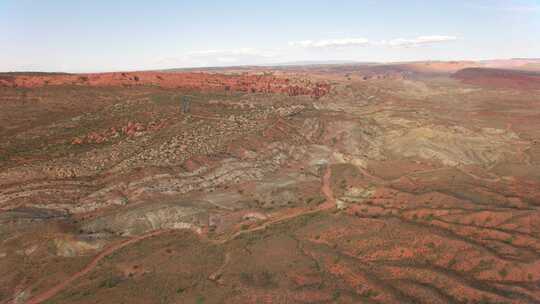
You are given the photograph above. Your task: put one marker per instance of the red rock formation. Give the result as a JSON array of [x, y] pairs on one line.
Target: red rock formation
[[190, 81], [499, 78]]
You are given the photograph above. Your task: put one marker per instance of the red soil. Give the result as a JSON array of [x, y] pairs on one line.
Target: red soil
[[88, 268], [440, 66], [521, 64], [499, 78], [129, 130], [189, 81]]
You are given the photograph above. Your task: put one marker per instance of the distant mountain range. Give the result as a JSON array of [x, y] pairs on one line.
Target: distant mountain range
[[529, 63], [317, 62]]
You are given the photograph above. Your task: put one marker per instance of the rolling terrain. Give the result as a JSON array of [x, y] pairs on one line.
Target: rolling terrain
[[343, 183]]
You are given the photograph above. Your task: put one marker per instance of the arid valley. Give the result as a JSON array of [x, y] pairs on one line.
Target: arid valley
[[343, 183]]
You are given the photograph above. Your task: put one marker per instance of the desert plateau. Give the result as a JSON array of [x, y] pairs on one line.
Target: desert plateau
[[379, 183], [270, 152]]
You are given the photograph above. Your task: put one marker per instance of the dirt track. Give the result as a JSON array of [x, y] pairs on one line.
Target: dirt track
[[437, 184], [91, 266], [328, 204]]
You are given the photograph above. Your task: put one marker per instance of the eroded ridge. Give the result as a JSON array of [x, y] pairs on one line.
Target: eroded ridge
[[388, 188], [186, 81]]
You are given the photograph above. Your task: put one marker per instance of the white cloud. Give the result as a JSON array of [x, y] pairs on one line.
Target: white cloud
[[363, 42], [330, 43], [219, 57], [233, 52], [249, 56], [418, 41]]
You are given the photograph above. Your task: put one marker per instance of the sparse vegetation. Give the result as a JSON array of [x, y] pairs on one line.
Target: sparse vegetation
[[200, 300], [244, 190], [110, 282]]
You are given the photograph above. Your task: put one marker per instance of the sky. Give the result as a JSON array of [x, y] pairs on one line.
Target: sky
[[99, 35]]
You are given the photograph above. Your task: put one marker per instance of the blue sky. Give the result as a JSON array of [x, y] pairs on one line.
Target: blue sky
[[99, 35]]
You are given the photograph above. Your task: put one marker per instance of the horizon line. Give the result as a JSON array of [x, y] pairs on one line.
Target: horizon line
[[277, 64]]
